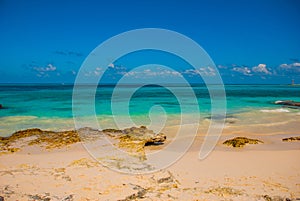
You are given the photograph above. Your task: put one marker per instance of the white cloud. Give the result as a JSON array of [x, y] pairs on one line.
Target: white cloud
[[284, 66], [203, 71], [97, 73], [243, 70], [131, 73], [207, 71], [169, 73], [261, 68], [289, 69], [93, 73], [222, 67], [48, 68], [293, 67], [43, 71], [111, 65], [150, 73], [191, 72]]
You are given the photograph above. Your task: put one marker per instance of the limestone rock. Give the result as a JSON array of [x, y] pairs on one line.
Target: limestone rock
[[141, 134], [241, 141], [133, 139]]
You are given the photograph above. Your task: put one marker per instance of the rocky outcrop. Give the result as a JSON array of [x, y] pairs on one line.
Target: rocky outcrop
[[142, 134], [290, 139], [133, 140], [130, 138], [241, 141], [288, 103], [49, 139]]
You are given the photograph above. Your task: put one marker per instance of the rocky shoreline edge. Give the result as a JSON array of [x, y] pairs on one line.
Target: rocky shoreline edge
[[132, 139]]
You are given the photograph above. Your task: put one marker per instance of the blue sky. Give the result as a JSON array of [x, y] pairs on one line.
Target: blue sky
[[250, 41]]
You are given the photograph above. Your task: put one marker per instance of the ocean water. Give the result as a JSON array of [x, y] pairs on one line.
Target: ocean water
[[50, 106]]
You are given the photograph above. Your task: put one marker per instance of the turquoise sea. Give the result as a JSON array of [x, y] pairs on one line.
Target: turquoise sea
[[50, 105]]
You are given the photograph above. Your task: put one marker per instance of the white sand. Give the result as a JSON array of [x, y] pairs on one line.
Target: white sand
[[226, 174]]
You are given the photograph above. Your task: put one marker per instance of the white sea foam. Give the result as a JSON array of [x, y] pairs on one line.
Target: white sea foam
[[276, 110]]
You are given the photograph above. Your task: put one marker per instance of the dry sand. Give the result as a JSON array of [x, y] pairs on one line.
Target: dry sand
[[269, 171]]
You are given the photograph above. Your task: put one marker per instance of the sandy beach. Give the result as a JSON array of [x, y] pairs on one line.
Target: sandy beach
[[149, 100], [267, 171]]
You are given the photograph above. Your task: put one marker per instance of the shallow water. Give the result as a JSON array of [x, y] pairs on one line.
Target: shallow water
[[50, 106]]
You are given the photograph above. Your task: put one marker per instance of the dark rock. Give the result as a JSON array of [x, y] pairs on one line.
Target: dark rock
[[140, 194], [275, 198], [165, 180], [267, 198], [168, 181], [241, 141], [8, 191], [290, 139], [142, 134], [69, 198], [288, 103], [1, 108], [39, 198]]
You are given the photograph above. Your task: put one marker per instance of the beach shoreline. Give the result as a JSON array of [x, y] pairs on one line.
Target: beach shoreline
[[63, 169]]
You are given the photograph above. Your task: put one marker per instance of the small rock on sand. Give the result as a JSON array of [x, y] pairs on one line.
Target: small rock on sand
[[241, 141]]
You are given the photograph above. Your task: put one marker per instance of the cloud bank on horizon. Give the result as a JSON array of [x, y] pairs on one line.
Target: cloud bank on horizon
[[260, 73], [155, 72]]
